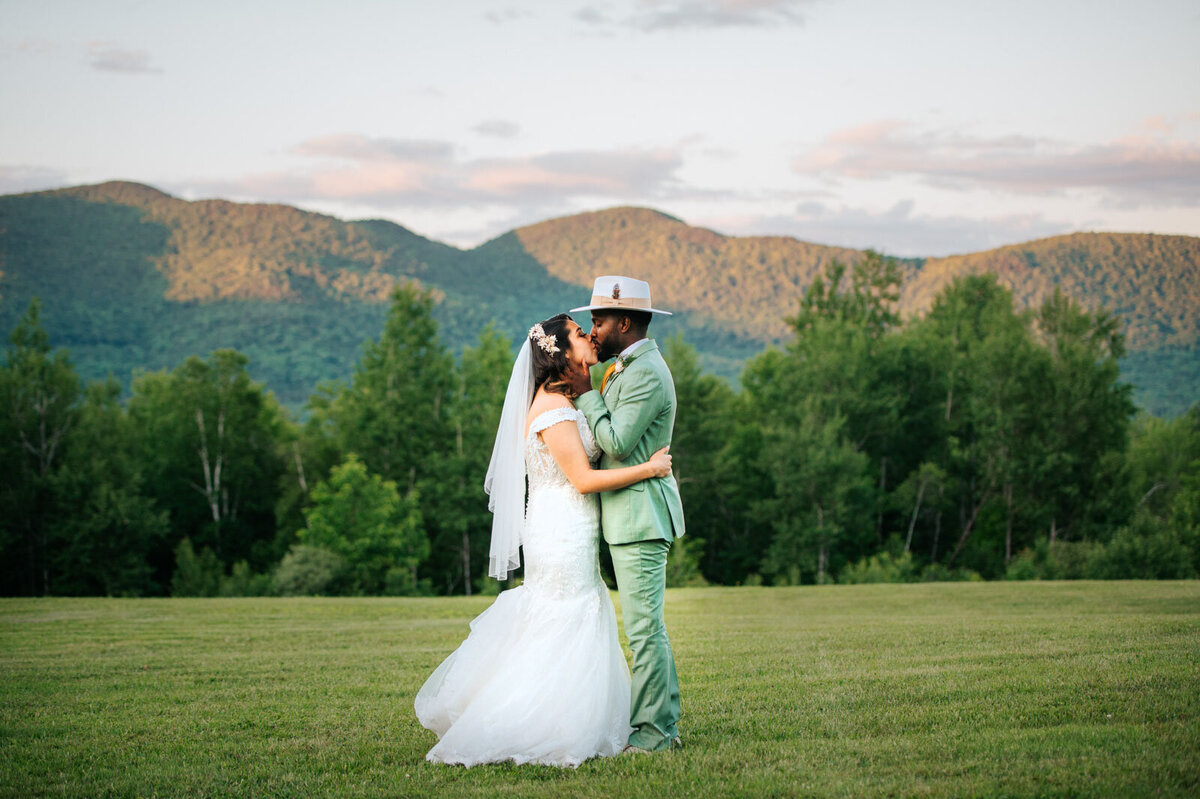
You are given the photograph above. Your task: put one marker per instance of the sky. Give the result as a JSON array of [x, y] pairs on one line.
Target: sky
[[921, 128]]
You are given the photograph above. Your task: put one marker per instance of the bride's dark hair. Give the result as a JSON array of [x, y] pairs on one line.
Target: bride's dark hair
[[550, 367]]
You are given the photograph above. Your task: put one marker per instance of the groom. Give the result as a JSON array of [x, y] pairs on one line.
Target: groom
[[632, 416]]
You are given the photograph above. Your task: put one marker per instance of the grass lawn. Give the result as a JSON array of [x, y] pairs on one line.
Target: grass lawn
[[953, 689]]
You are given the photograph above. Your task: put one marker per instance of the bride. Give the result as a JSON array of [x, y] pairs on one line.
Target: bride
[[541, 677]]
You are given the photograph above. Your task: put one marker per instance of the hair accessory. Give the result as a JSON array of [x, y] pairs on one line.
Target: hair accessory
[[549, 344]]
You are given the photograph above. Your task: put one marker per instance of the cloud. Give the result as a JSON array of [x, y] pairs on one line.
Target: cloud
[[350, 167], [1146, 168], [499, 16], [499, 128], [653, 16], [897, 230], [356, 147], [661, 15], [590, 15], [20, 179], [107, 57]]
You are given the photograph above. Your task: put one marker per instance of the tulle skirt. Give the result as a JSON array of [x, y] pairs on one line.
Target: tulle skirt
[[540, 679]]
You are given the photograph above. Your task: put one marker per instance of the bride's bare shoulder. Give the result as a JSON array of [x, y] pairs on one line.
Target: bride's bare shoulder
[[546, 401]]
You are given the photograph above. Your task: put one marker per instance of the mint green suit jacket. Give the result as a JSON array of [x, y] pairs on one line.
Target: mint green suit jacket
[[631, 420]]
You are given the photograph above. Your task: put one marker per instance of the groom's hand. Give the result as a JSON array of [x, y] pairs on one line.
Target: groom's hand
[[579, 378]]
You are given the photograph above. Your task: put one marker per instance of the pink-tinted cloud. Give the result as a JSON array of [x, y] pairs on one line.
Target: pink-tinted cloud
[[1148, 168], [399, 172]]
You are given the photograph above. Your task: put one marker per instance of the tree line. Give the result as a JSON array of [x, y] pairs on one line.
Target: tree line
[[974, 442]]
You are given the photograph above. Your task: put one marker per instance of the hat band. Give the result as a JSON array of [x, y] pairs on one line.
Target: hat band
[[642, 303]]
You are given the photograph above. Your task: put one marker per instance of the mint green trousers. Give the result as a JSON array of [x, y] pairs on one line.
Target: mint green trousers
[[641, 571]]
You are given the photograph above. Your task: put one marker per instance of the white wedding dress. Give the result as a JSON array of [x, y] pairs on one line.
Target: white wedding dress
[[541, 677]]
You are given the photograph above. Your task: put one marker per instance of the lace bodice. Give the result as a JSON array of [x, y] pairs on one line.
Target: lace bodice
[[562, 526], [540, 465]]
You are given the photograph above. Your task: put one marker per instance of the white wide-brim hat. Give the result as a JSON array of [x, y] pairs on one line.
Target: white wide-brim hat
[[620, 293]]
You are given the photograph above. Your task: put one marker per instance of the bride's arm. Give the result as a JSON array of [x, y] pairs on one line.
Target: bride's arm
[[563, 441]]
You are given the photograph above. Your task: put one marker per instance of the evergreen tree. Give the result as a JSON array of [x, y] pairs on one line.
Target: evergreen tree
[[104, 524], [364, 519], [821, 509], [396, 416], [195, 575], [1085, 412], [39, 396], [482, 379], [704, 420]]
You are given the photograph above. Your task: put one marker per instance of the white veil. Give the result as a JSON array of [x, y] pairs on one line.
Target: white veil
[[505, 481]]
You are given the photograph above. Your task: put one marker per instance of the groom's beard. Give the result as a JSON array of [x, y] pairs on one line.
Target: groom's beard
[[604, 351]]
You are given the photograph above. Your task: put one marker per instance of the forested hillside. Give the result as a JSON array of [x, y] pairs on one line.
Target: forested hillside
[[132, 278]]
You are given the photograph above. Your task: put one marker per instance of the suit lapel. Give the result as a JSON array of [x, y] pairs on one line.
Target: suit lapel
[[650, 346]]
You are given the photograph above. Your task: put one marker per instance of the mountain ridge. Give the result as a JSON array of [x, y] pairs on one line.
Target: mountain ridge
[[274, 275]]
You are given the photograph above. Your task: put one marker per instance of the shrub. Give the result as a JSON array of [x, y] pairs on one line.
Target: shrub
[[308, 570], [938, 573], [883, 567], [683, 563], [1145, 549], [400, 581], [1023, 567], [1062, 560], [195, 575], [243, 582]]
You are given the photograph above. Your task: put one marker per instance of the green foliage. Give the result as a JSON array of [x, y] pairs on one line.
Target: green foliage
[[940, 573], [1060, 560], [481, 382], [195, 575], [396, 417], [215, 441], [825, 409], [710, 473], [105, 524], [978, 439], [1166, 381], [683, 563], [39, 393], [820, 502], [1145, 549], [883, 567], [868, 301], [364, 519], [134, 279], [241, 581], [310, 571]]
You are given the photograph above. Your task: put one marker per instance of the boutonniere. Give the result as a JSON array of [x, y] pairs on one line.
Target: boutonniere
[[619, 365]]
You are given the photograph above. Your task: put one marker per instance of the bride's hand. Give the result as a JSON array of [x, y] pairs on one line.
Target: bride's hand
[[660, 462]]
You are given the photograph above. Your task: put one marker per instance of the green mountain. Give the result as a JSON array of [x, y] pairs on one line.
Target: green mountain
[[132, 278]]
